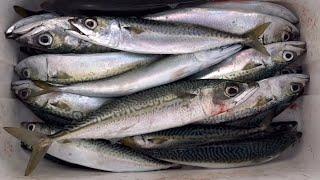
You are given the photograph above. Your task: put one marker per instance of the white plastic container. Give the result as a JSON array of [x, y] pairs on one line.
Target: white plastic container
[[302, 164]]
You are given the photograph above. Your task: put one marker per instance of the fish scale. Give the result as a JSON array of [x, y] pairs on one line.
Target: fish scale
[[236, 151]]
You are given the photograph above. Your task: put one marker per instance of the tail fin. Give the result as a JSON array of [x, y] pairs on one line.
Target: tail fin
[[24, 12], [40, 144], [253, 38]]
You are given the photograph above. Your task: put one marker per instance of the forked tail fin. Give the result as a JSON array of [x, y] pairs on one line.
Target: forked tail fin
[[253, 38], [40, 144]]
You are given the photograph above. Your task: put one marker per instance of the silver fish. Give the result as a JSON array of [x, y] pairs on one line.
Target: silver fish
[[49, 35], [160, 108], [251, 65], [272, 92], [269, 8], [197, 134], [232, 21], [28, 20], [155, 37], [98, 154], [66, 69], [62, 104], [231, 154], [161, 72]]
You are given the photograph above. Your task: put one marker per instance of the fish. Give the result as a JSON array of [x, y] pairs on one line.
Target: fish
[[49, 34], [231, 21], [28, 20], [269, 8], [64, 105], [191, 135], [144, 36], [251, 65], [113, 7], [230, 154], [98, 154], [273, 92], [164, 107], [158, 73], [75, 68]]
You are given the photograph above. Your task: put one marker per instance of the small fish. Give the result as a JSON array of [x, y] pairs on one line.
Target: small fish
[[160, 72], [48, 33], [197, 134], [160, 108], [98, 154], [268, 8], [251, 65], [155, 37], [272, 92], [65, 105], [236, 22], [71, 68], [230, 154]]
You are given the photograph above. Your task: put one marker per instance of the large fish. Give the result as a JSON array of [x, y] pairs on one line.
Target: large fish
[[98, 154], [273, 92], [197, 134], [232, 21], [161, 72], [269, 8], [156, 37], [230, 154], [156, 109], [251, 65], [65, 105], [71, 68], [47, 33]]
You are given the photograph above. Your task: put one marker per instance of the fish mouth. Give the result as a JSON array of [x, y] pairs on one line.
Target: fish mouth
[[75, 29], [298, 47]]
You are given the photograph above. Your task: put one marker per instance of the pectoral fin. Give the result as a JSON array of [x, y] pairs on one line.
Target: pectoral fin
[[134, 30]]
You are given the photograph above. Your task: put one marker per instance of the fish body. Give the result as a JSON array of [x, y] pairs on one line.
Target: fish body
[[71, 68], [161, 72], [268, 8], [251, 65], [232, 21], [230, 154], [99, 154], [65, 105], [155, 37], [49, 35], [272, 92], [191, 135]]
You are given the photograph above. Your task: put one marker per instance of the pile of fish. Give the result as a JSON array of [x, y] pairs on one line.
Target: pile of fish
[[196, 85]]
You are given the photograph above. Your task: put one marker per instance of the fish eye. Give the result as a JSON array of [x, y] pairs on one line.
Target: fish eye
[[285, 71], [45, 39], [24, 93], [31, 127], [91, 23], [231, 91], [288, 55], [296, 87], [286, 36], [26, 73]]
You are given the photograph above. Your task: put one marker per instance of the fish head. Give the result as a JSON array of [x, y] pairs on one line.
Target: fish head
[[25, 21], [285, 53], [281, 32], [34, 67], [291, 70], [40, 127], [26, 90], [97, 30], [229, 94], [48, 35]]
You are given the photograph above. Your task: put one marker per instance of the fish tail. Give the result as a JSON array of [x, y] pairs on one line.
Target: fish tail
[[46, 88], [253, 38], [40, 144]]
